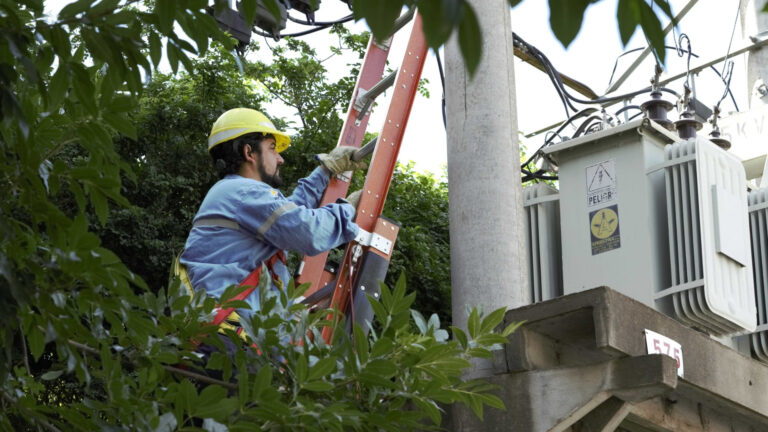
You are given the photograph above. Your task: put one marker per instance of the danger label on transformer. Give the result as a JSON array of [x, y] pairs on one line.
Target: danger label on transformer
[[604, 229], [601, 183]]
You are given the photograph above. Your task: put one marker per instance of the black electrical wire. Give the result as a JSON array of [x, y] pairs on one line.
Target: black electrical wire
[[733, 99], [584, 126], [549, 70], [442, 82], [628, 107], [318, 23], [306, 32], [581, 113], [552, 71]]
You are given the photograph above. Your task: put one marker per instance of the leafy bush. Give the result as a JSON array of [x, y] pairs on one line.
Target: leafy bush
[[137, 369]]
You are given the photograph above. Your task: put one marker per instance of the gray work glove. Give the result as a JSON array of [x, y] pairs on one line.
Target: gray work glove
[[339, 160], [354, 198]]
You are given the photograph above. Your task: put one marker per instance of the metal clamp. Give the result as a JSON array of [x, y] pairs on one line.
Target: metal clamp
[[374, 240]]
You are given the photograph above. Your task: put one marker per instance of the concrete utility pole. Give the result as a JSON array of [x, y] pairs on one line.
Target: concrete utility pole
[[488, 260], [754, 22]]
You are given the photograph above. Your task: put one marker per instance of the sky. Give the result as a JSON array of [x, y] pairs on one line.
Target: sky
[[589, 59]]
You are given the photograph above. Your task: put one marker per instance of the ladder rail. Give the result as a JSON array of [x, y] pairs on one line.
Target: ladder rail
[[382, 167], [312, 268]]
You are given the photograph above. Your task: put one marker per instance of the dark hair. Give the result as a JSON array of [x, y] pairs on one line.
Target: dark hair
[[228, 156]]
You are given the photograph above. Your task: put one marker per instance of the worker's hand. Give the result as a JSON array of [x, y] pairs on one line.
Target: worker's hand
[[339, 160], [354, 198]]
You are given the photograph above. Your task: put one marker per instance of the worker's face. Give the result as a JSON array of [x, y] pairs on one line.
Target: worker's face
[[269, 163]]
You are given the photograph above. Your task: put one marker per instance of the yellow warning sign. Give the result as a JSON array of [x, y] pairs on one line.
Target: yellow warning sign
[[604, 229]]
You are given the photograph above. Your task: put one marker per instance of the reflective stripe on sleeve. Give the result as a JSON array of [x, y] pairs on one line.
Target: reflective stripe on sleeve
[[273, 217], [217, 222]]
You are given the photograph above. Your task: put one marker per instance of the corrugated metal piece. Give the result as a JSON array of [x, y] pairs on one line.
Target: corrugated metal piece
[[758, 226], [542, 221], [709, 281]]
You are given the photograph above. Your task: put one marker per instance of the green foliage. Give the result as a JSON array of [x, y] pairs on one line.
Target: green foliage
[[442, 17], [102, 170], [419, 203]]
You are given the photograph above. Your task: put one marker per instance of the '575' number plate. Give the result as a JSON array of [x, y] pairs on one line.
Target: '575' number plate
[[660, 344]]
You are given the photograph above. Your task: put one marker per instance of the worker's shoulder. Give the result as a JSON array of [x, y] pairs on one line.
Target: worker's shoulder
[[246, 187]]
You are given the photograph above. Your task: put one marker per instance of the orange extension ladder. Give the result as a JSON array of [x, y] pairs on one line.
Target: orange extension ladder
[[366, 259]]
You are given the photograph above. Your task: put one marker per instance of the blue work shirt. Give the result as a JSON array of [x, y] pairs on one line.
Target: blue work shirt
[[217, 257]]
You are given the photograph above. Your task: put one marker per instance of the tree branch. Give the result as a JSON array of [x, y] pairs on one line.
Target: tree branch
[[171, 369], [34, 417]]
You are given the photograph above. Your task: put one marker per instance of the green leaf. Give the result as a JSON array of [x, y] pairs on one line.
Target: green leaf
[[381, 367], [84, 88], [439, 19], [382, 347], [301, 369], [263, 382], [100, 205], [60, 41], [379, 14], [480, 353], [473, 323], [361, 343], [213, 403], [165, 11], [460, 336], [121, 124], [492, 401], [317, 386], [155, 48], [470, 40], [51, 375], [35, 339], [273, 8], [248, 9], [58, 86], [653, 32], [97, 45], [173, 54], [628, 15], [73, 9], [492, 320], [565, 17], [219, 410], [511, 328], [378, 309], [322, 368]]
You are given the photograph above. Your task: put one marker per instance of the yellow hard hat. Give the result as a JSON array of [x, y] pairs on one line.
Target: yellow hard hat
[[241, 121]]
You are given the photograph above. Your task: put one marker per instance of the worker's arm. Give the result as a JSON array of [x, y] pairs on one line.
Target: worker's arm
[[286, 225], [310, 190]]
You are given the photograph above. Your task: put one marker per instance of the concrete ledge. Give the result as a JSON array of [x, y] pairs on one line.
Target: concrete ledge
[[601, 326]]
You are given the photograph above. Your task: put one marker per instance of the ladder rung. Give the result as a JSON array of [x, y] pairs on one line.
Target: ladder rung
[[365, 98], [399, 23], [403, 19], [365, 150]]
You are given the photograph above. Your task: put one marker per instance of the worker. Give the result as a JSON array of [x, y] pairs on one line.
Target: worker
[[245, 220]]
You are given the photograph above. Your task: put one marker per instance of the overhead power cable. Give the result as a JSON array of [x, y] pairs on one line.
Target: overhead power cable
[[306, 32], [318, 23], [683, 50]]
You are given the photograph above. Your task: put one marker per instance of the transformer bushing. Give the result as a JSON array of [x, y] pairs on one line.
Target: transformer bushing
[[714, 136], [687, 125], [656, 109]]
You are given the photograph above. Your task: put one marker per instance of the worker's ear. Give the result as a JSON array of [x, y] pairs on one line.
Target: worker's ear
[[248, 153]]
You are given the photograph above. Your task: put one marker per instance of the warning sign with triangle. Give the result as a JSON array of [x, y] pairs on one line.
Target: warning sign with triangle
[[601, 183]]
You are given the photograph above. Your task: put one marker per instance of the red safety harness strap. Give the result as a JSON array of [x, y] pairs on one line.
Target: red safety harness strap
[[252, 282]]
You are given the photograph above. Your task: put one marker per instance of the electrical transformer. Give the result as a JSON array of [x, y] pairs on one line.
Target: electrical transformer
[[659, 219], [613, 215]]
